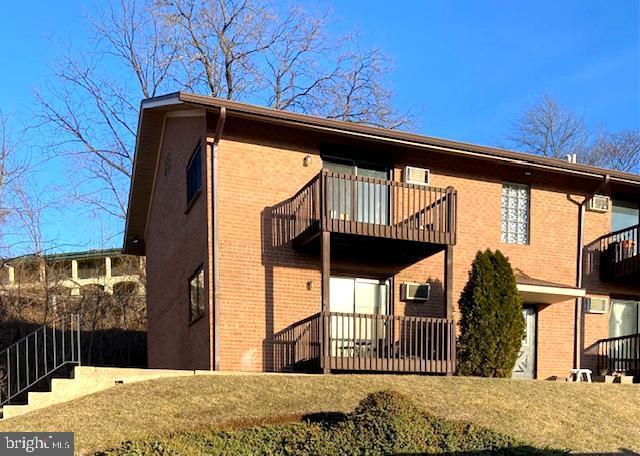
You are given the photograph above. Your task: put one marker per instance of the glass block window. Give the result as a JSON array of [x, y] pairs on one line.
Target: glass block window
[[515, 214], [196, 295]]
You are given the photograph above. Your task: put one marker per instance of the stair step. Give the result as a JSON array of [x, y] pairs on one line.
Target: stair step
[[9, 411], [87, 380]]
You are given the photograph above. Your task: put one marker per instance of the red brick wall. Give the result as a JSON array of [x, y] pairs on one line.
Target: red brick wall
[[266, 286], [176, 244]]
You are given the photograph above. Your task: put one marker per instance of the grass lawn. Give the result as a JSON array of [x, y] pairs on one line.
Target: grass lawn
[[582, 417]]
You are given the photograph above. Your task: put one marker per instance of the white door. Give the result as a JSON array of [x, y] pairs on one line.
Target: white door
[[350, 334], [526, 362]]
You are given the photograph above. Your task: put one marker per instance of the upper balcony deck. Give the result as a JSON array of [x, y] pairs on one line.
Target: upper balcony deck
[[370, 207], [620, 255]]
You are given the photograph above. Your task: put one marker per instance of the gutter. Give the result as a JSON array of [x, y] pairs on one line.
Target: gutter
[[319, 124], [214, 252], [579, 270]]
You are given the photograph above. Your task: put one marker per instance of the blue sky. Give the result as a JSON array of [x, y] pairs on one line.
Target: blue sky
[[469, 68]]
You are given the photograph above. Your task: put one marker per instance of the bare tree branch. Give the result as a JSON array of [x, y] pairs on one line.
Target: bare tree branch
[[235, 49], [547, 129], [619, 151]]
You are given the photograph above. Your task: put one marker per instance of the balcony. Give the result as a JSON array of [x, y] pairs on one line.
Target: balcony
[[618, 354], [357, 207], [620, 255], [334, 341]]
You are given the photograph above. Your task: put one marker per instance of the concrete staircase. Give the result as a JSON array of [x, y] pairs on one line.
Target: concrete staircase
[[87, 380]]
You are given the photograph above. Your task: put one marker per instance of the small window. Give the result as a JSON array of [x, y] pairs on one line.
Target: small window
[[194, 174], [196, 295], [515, 214]]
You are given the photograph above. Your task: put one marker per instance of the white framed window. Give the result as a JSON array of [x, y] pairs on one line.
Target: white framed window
[[515, 213]]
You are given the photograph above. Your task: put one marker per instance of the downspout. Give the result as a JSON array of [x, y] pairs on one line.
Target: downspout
[[214, 260], [579, 271]]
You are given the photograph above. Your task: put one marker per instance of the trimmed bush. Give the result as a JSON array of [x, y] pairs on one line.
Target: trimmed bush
[[491, 321], [383, 423]]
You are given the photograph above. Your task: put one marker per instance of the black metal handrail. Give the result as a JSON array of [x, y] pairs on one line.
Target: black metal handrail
[[38, 355]]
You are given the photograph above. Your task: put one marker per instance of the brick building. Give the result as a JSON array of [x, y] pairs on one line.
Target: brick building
[[278, 241]]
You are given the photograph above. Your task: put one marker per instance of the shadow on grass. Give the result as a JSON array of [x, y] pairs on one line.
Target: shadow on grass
[[524, 451], [384, 423]]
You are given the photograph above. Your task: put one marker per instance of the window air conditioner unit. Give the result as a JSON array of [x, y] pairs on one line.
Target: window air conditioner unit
[[595, 305], [417, 176], [415, 291], [599, 203]]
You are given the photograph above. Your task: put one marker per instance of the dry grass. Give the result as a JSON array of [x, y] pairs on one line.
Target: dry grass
[[582, 417]]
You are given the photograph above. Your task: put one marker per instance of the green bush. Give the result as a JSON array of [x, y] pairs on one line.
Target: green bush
[[491, 321], [383, 423]]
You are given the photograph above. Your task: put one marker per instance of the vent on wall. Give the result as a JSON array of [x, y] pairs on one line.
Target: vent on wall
[[595, 305], [417, 176], [599, 203], [415, 291]]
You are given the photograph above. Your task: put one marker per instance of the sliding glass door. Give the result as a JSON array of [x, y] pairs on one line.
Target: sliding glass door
[[624, 320], [352, 335], [624, 214], [357, 200]]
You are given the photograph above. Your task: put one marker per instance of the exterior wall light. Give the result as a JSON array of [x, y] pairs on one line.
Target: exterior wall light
[[307, 160]]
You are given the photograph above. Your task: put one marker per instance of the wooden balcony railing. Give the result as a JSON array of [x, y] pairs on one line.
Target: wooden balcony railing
[[620, 254], [365, 342], [297, 347], [359, 205], [618, 354]]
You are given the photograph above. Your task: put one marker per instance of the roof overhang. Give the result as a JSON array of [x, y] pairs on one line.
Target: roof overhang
[[154, 110], [548, 294]]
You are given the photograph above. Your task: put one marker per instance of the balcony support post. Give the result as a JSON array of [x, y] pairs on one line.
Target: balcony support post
[[448, 280], [448, 297], [324, 318]]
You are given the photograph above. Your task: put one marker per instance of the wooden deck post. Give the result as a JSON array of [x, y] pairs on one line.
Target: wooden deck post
[[448, 280], [448, 297], [325, 320], [326, 268]]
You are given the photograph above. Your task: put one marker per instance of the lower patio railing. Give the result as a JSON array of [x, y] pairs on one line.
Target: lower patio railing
[[618, 354], [366, 342]]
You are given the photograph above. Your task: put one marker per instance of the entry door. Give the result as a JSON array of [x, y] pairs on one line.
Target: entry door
[[525, 365], [351, 335], [363, 202]]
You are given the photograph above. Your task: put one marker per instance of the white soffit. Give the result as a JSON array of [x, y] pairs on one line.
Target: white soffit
[[543, 294]]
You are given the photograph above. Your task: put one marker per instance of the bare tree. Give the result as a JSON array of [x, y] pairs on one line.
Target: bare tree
[[619, 151], [12, 168], [246, 50], [547, 129], [359, 93]]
